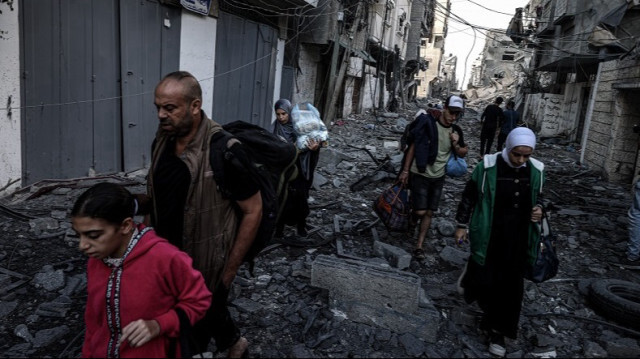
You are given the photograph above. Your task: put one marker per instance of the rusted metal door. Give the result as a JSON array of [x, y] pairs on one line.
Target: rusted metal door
[[244, 71]]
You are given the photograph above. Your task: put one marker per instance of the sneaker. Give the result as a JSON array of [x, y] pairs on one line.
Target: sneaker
[[496, 345], [630, 264]]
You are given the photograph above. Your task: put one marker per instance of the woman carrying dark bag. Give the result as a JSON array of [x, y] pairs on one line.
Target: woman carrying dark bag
[[499, 210]]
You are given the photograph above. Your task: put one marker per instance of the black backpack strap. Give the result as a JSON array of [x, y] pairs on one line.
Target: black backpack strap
[[218, 153]]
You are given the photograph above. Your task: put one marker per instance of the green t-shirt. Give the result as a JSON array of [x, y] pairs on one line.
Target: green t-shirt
[[437, 169]]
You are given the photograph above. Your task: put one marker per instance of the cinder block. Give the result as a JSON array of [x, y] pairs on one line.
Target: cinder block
[[397, 257], [380, 287]]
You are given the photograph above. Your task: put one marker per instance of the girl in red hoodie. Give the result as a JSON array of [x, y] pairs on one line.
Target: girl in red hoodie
[[136, 281]]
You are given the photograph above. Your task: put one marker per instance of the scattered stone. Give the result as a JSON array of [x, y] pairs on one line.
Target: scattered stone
[[412, 345], [47, 336], [318, 181], [74, 284], [23, 332], [593, 350], [454, 256], [7, 307], [246, 305], [397, 257], [59, 215], [40, 225], [623, 348], [49, 279]]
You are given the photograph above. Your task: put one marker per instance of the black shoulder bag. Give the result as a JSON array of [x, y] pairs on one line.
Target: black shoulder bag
[[546, 265]]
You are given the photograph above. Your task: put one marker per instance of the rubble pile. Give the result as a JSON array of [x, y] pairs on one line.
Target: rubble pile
[[350, 288]]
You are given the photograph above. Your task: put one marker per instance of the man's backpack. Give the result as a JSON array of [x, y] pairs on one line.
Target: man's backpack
[[273, 166]]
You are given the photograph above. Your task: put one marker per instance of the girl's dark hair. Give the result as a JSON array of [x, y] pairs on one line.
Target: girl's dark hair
[[108, 201]]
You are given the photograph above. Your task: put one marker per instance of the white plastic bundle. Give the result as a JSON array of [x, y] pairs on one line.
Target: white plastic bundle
[[308, 124]]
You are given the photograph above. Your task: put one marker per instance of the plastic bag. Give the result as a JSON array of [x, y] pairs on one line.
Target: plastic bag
[[308, 124], [456, 166]]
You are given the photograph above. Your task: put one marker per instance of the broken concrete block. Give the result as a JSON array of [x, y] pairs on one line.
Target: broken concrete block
[[423, 323], [390, 115], [318, 181], [22, 331], [623, 348], [391, 145], [346, 165], [47, 336], [49, 279], [40, 225], [332, 156], [446, 228], [353, 280], [7, 307], [396, 256], [454, 256]]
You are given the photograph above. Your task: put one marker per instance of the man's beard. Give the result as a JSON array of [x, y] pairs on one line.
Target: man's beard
[[181, 129]]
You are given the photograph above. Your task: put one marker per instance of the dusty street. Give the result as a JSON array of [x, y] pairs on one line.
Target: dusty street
[[42, 287]]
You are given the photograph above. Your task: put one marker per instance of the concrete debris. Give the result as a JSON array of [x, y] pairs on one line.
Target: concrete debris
[[350, 289]]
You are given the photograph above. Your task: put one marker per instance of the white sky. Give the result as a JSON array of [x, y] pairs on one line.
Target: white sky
[[459, 40]]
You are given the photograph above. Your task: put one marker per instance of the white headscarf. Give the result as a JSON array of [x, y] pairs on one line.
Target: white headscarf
[[519, 136]]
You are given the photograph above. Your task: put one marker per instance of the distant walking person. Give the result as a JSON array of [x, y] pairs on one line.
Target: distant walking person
[[490, 118], [509, 122], [138, 285]]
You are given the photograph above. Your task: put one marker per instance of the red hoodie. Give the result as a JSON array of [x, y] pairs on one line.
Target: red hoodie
[[156, 278]]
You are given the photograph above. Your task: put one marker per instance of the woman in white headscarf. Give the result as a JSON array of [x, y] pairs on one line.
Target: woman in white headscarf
[[499, 208]]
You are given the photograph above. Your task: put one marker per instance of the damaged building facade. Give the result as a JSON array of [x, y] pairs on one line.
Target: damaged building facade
[[78, 80], [500, 70], [432, 48], [500, 62], [584, 80]]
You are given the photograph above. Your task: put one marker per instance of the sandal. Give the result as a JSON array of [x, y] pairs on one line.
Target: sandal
[[418, 253]]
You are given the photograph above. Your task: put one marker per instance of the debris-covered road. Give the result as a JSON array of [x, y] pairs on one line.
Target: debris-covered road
[[285, 310]]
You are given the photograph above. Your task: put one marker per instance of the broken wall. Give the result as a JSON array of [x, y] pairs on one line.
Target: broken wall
[[612, 146], [10, 123], [370, 91], [305, 80], [570, 112], [354, 71], [543, 114]]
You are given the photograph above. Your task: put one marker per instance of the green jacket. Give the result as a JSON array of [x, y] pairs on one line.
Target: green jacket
[[484, 176]]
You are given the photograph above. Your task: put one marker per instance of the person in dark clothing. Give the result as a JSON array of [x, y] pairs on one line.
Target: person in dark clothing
[[491, 116], [432, 138], [296, 209], [500, 206], [186, 208], [509, 122]]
